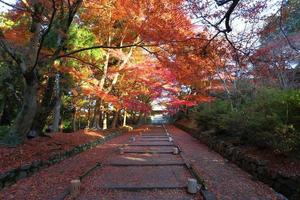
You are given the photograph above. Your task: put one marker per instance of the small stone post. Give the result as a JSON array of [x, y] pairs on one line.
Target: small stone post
[[192, 186], [175, 151], [121, 151], [75, 187]]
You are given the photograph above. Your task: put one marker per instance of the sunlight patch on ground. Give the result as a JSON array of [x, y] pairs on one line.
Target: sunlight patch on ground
[[93, 133], [132, 158]]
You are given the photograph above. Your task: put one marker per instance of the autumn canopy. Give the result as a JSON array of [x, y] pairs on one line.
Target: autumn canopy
[[93, 63]]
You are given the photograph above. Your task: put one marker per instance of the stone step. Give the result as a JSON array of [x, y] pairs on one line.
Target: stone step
[[152, 139], [132, 159], [164, 134], [148, 149], [128, 188], [162, 144], [142, 177], [148, 194], [144, 136], [146, 164]]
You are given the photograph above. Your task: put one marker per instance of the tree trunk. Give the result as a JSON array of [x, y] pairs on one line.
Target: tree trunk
[[79, 122], [96, 115], [44, 108], [89, 113], [133, 119], [5, 118], [140, 119], [2, 106], [115, 119], [25, 117], [57, 116], [104, 121], [74, 120], [57, 107], [145, 118], [100, 118], [125, 117]]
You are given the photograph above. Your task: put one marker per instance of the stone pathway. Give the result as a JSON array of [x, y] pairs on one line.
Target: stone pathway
[[147, 169], [149, 166]]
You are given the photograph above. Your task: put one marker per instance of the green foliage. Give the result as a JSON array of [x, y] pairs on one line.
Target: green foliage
[[271, 120], [211, 114], [67, 126], [67, 114], [5, 22], [81, 37]]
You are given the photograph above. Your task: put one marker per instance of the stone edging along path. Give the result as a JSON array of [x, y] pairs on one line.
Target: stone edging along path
[[10, 177], [288, 186]]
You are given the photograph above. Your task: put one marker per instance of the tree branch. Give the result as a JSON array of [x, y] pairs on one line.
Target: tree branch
[[97, 47], [6, 47], [283, 32], [45, 34], [228, 14]]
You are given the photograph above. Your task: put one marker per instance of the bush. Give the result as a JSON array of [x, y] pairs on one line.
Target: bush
[[270, 120], [209, 115], [67, 126], [286, 139]]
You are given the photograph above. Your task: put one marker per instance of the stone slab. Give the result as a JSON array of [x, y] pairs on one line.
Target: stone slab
[[151, 144], [152, 134], [158, 136], [148, 149], [142, 177], [152, 139], [107, 194], [146, 159]]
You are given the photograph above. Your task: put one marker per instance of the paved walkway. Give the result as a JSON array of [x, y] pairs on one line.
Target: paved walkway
[[142, 168], [145, 167]]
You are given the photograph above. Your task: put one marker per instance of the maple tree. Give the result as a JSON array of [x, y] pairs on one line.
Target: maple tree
[[276, 61], [115, 57], [36, 20]]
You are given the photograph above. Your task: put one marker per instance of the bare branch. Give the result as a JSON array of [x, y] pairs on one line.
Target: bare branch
[[83, 61], [97, 47]]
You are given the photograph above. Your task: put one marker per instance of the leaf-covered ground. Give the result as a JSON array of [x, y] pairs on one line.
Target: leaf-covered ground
[[285, 165], [53, 182], [42, 148], [278, 163]]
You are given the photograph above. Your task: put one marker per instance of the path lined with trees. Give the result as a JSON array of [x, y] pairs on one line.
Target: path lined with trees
[[75, 70]]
